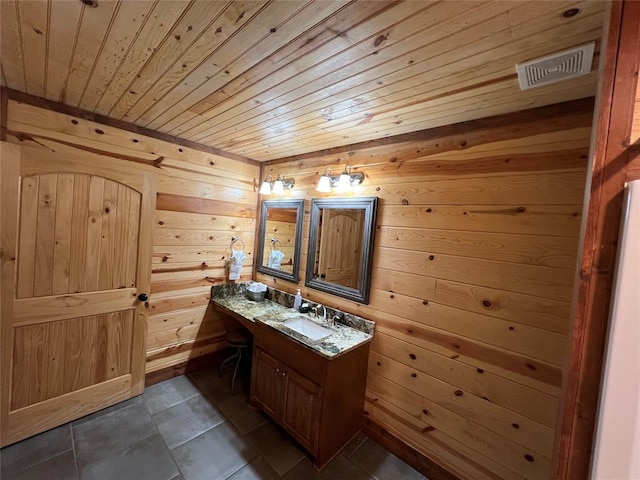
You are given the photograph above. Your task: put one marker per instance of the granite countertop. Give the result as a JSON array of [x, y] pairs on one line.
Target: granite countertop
[[343, 339]]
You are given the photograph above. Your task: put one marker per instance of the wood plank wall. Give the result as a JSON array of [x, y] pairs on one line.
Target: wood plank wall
[[473, 271], [203, 200]]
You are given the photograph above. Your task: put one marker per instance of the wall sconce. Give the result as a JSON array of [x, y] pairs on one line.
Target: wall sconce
[[342, 182], [269, 186]]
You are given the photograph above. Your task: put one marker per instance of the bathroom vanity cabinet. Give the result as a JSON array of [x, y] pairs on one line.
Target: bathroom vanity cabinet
[[319, 401]]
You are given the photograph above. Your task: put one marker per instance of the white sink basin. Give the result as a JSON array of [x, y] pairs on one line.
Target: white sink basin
[[308, 328]]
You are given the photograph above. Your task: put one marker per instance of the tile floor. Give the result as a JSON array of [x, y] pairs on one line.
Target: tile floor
[[186, 428]]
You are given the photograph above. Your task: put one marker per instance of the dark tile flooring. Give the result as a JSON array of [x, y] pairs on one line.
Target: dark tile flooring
[[186, 428]]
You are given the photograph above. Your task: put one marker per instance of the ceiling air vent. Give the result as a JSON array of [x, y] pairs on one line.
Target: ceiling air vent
[[571, 63]]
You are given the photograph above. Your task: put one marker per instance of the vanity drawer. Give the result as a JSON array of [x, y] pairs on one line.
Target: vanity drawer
[[296, 356]]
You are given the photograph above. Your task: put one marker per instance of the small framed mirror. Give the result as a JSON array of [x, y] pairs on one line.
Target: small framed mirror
[[280, 239], [341, 246]]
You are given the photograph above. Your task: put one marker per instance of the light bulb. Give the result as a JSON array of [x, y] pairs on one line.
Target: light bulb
[[278, 186], [265, 189], [344, 183], [324, 185]]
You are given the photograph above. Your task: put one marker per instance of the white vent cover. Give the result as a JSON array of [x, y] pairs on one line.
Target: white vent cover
[[571, 63]]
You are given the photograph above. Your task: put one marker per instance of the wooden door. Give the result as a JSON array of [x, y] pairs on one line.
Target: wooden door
[[76, 255], [341, 237], [301, 409], [266, 383]]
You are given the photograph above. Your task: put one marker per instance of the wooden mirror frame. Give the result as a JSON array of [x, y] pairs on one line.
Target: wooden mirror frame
[[298, 205], [370, 206]]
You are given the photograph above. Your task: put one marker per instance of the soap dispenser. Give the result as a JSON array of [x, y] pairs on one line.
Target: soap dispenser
[[297, 301]]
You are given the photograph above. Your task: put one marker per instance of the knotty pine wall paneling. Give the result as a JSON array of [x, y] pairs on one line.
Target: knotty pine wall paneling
[[473, 270], [203, 200]]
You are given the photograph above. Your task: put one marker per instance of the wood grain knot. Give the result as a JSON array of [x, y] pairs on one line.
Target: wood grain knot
[[425, 302], [425, 412], [410, 331], [160, 222], [135, 140], [512, 328], [412, 356], [530, 366], [479, 370], [99, 132], [572, 12], [405, 201], [74, 121], [455, 345], [379, 364], [414, 375], [521, 210], [458, 393], [515, 425], [379, 40], [428, 210], [486, 303], [528, 458], [37, 30], [212, 163], [392, 296], [431, 257], [273, 30]]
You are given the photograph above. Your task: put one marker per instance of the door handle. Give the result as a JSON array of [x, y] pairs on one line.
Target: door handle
[[143, 297]]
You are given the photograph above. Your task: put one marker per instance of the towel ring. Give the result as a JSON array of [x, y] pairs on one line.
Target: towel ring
[[234, 240], [274, 240]]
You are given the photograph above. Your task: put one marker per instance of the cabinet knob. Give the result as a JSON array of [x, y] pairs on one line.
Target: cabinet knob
[[143, 297]]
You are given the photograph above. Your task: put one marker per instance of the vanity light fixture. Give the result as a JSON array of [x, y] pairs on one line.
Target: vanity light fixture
[[343, 182], [278, 186], [281, 183], [265, 189], [324, 184]]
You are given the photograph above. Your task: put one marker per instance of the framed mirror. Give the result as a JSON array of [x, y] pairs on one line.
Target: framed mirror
[[280, 239], [341, 235]]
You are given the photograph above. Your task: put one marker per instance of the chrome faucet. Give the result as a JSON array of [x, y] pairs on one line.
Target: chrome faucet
[[324, 311]]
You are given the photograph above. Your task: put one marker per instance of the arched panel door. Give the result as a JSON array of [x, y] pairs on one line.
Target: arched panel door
[[76, 250]]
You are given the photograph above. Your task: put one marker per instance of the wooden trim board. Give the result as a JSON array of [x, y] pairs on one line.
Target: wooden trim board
[[10, 94], [211, 360], [611, 155], [574, 114], [407, 454]]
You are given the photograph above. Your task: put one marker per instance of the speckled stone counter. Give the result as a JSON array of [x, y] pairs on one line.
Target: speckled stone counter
[[343, 339]]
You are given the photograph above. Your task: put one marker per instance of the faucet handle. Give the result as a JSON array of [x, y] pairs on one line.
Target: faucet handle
[[338, 317]]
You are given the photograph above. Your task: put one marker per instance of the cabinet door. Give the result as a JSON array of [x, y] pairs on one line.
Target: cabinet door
[[301, 411], [266, 388]]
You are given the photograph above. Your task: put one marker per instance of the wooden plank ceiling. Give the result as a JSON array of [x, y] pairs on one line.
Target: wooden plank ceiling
[[271, 79]]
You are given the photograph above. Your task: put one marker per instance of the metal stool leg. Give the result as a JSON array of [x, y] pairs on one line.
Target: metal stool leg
[[235, 372], [227, 360]]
